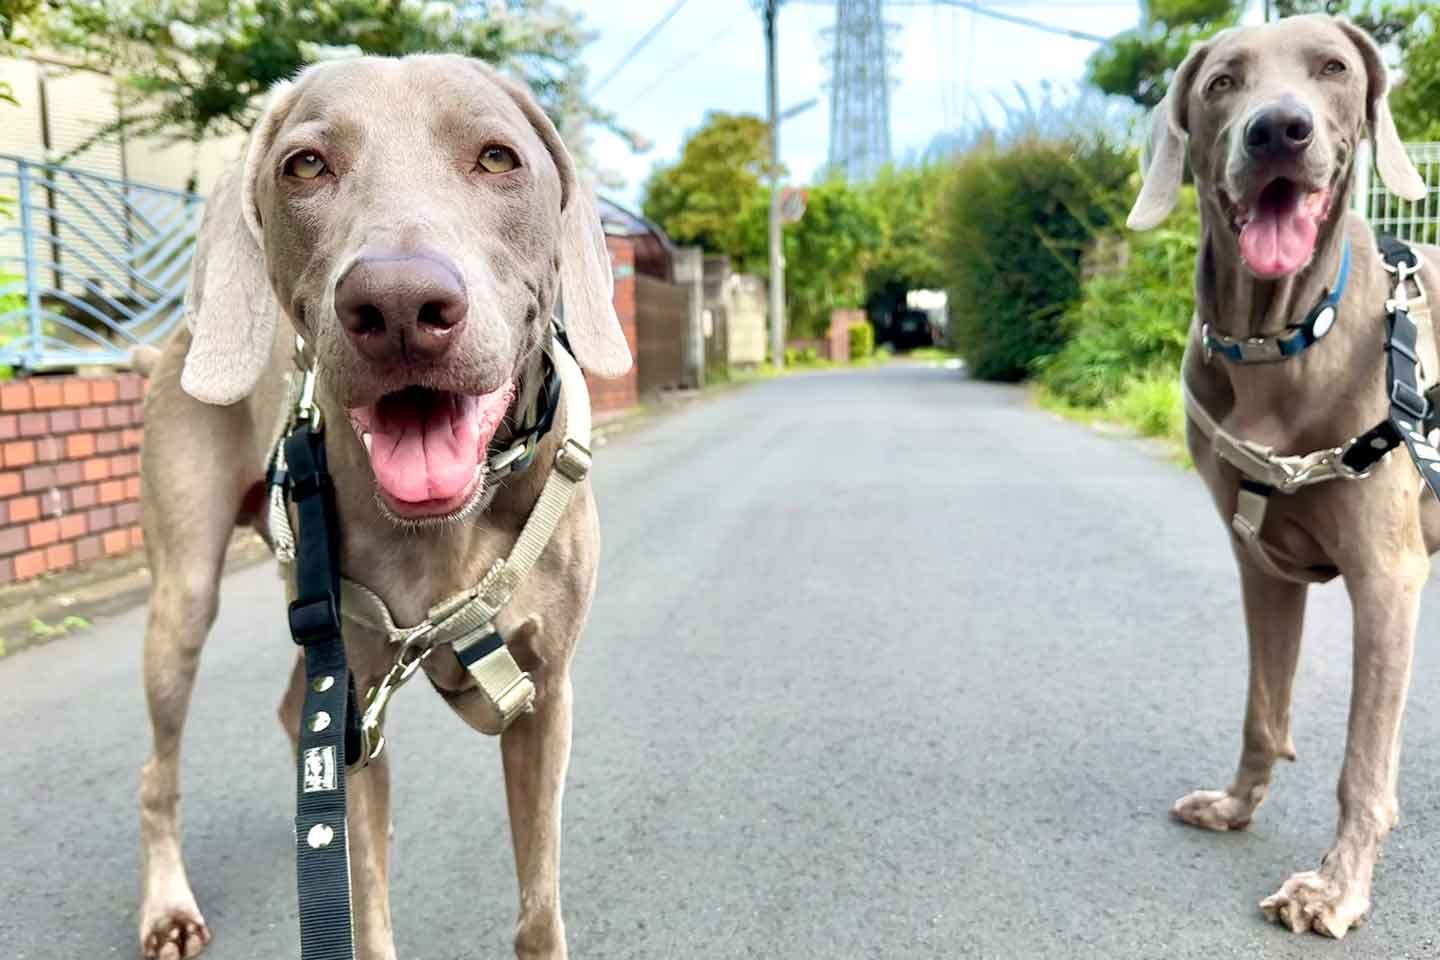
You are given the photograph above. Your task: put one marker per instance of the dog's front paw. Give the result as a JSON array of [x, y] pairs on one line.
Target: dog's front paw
[[172, 930], [1217, 809], [1313, 901]]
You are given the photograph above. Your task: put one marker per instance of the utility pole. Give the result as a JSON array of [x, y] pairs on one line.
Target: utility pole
[[777, 251]]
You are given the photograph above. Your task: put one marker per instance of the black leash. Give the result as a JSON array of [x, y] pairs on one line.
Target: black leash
[[329, 723], [1410, 409]]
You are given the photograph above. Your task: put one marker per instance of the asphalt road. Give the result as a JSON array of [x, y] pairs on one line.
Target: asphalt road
[[883, 664]]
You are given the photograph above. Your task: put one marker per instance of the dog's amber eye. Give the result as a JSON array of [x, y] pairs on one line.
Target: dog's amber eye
[[1333, 67], [1221, 83], [498, 159], [305, 166]]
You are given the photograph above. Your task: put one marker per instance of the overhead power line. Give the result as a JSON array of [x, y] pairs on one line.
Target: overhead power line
[[690, 56], [639, 45]]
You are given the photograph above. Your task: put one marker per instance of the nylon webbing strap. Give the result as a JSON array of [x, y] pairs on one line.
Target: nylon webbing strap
[[1409, 407], [322, 846]]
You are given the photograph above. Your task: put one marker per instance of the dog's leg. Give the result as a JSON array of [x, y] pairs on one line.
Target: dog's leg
[[185, 559], [368, 805], [536, 752], [1336, 897], [1274, 617]]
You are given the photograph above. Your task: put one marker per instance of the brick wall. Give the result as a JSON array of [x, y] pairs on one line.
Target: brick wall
[[69, 471], [612, 395]]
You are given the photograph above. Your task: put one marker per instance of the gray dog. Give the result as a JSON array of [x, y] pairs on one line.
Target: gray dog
[[1272, 116], [413, 220]]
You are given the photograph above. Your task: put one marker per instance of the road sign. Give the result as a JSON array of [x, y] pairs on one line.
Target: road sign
[[792, 204]]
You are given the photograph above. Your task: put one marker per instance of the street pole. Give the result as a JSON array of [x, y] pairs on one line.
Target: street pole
[[777, 254]]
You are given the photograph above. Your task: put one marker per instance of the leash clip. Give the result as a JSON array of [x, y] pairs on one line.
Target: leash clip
[[377, 701]]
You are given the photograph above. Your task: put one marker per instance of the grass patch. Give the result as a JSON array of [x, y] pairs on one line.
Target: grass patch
[[1150, 406]]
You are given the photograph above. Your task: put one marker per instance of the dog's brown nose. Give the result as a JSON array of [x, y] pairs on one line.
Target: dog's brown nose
[[1282, 130], [401, 308]]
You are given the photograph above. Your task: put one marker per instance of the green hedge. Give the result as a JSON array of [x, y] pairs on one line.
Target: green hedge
[[1131, 326], [1017, 221], [862, 340]]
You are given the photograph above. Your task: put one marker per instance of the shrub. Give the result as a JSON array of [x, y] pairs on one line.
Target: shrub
[[1131, 325], [862, 340], [1017, 221]]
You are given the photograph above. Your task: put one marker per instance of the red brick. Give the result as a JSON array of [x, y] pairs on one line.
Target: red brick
[[10, 484], [15, 396], [24, 509], [76, 392], [84, 496], [130, 438], [100, 519], [117, 415], [46, 394], [105, 391], [96, 469], [137, 538], [18, 453], [87, 549], [132, 488], [129, 387], [92, 418], [67, 473], [60, 556], [112, 491], [7, 570], [49, 449], [39, 478], [78, 446], [30, 564], [64, 421], [137, 412], [42, 533], [12, 540], [119, 466], [73, 526], [9, 427], [33, 424], [107, 442], [116, 541]]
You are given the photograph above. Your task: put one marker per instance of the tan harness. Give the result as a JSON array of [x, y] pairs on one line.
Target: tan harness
[[1270, 472]]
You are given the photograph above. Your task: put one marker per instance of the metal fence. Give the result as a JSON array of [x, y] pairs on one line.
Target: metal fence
[[1414, 222], [89, 265]]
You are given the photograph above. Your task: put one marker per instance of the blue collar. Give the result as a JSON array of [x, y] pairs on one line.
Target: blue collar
[[1296, 339]]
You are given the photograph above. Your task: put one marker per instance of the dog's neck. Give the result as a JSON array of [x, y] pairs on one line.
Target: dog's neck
[[1235, 302]]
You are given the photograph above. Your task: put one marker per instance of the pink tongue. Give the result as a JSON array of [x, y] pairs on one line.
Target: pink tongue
[[426, 445], [1279, 242]]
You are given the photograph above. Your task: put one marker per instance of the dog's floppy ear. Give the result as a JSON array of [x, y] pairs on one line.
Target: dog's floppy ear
[[587, 284], [1169, 135], [229, 307], [1391, 160]]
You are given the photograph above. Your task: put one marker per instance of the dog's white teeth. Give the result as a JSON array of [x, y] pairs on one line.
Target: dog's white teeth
[[368, 439]]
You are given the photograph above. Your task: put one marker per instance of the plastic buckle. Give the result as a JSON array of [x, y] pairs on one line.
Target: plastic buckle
[[313, 619], [1408, 400], [573, 461]]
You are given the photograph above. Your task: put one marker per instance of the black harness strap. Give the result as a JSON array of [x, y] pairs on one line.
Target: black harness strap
[[1409, 408], [329, 732]]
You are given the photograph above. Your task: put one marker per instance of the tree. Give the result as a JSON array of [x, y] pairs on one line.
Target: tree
[[1416, 101], [707, 197], [1139, 63], [826, 254], [196, 68]]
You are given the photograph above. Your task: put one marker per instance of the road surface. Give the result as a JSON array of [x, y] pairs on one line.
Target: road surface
[[883, 664]]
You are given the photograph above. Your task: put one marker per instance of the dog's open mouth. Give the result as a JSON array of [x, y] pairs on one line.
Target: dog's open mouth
[[1278, 228], [428, 447]]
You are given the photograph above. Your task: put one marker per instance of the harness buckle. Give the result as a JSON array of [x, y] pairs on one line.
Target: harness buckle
[[573, 460]]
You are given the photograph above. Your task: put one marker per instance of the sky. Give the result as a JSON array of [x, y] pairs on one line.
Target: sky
[[711, 56]]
